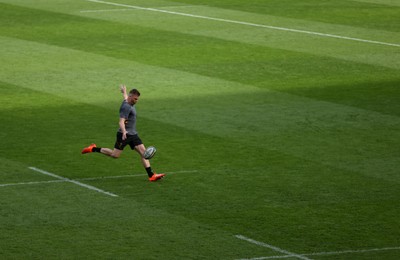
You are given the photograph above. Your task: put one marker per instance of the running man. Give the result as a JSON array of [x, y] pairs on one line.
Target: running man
[[127, 134]]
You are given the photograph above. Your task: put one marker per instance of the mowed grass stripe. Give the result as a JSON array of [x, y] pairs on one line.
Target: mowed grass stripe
[[381, 2]]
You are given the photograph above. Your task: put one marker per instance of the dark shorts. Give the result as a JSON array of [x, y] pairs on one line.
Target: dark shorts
[[132, 140]]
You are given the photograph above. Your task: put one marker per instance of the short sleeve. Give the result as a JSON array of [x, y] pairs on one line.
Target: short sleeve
[[124, 110]]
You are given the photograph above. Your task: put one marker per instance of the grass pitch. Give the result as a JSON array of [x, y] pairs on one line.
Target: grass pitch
[[277, 142]]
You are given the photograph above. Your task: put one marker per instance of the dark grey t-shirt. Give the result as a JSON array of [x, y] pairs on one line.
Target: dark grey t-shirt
[[129, 113]]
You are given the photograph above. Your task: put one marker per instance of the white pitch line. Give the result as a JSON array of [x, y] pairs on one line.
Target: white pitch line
[[327, 253], [354, 251], [267, 257], [277, 249], [246, 23], [86, 179], [29, 183], [72, 181], [130, 175], [182, 6], [105, 10], [111, 177]]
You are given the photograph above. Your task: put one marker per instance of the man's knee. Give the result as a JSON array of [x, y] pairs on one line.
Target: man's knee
[[115, 154]]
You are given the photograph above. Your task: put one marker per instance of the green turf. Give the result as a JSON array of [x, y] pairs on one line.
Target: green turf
[[286, 138]]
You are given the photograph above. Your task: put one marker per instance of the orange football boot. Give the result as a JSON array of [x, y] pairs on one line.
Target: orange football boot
[[156, 177], [88, 149]]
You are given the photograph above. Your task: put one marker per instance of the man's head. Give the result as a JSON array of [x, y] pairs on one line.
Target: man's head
[[133, 96]]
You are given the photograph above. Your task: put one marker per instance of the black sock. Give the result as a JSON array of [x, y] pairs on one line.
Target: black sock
[[149, 171], [96, 149]]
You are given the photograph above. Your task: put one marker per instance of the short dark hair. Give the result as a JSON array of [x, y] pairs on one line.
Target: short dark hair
[[134, 92]]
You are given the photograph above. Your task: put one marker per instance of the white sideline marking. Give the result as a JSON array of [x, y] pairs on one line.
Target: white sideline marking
[[182, 6], [86, 179], [277, 249], [130, 9], [29, 183], [129, 176], [325, 253], [246, 23], [104, 10], [73, 181], [355, 251]]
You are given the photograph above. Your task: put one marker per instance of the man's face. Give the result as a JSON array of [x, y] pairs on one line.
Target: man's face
[[133, 99]]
